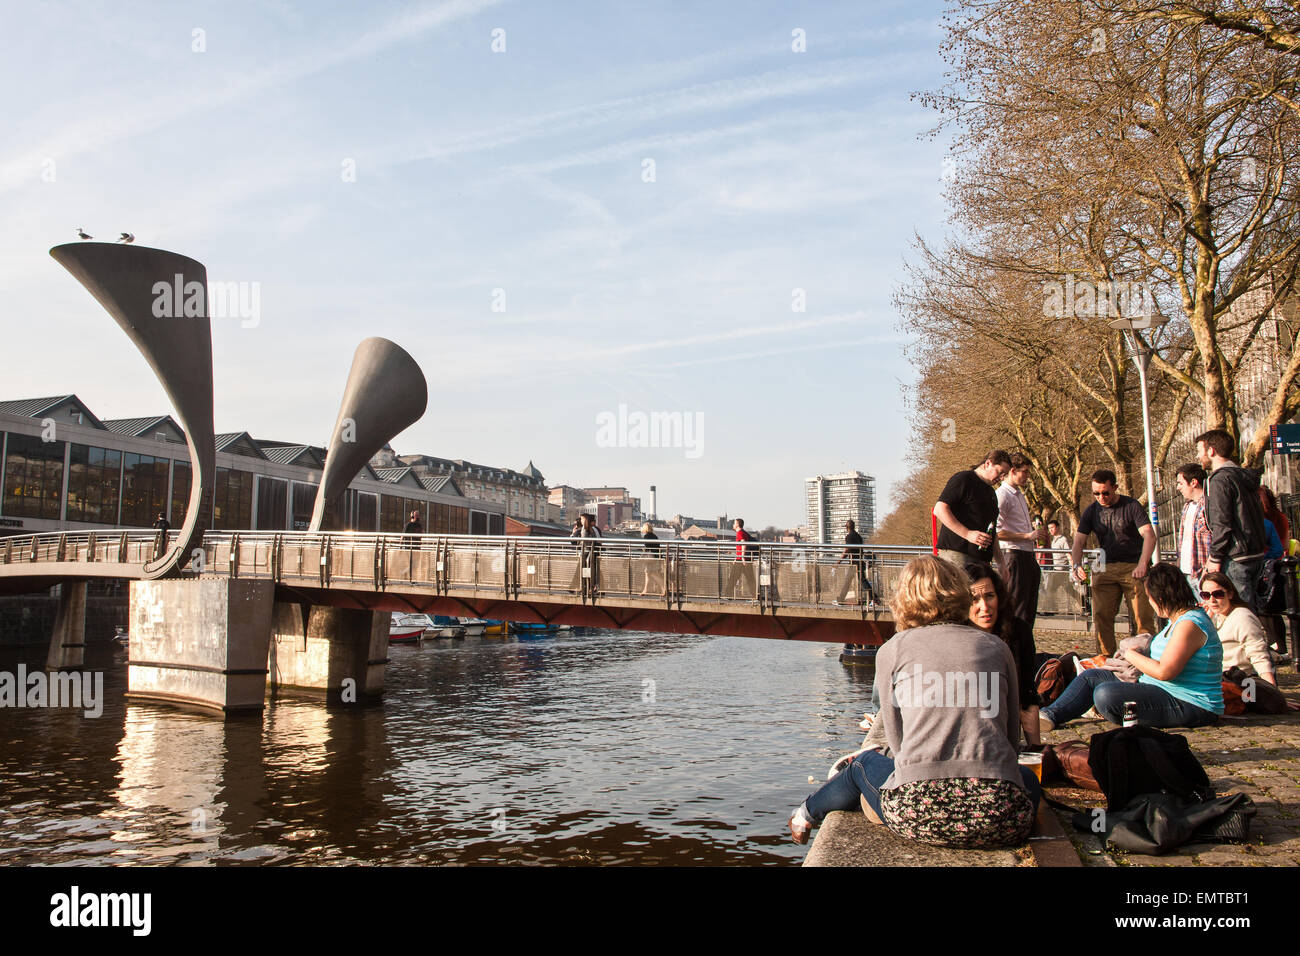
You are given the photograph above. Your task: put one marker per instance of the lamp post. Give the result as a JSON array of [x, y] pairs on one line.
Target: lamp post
[[1141, 356]]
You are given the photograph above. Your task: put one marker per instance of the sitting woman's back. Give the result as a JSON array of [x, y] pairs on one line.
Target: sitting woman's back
[[949, 704]]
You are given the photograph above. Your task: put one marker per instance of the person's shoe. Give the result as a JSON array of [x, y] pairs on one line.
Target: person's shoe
[[867, 721], [1045, 724], [1091, 714], [800, 826]]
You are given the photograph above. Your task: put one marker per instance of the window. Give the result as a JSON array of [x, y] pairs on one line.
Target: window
[[94, 482], [33, 479], [144, 489], [232, 500]]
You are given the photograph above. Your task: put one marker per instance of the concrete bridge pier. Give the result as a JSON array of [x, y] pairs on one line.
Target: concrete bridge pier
[[68, 642], [201, 642], [338, 652]]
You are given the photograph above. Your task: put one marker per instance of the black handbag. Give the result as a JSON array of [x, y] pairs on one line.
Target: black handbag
[[1155, 823], [1136, 761]]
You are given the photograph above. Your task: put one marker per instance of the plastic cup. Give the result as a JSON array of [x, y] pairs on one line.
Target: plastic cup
[[1034, 761]]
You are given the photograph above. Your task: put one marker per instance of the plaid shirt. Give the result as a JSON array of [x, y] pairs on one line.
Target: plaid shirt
[[1200, 535]]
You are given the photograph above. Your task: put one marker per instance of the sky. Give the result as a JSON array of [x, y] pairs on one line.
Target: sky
[[567, 213]]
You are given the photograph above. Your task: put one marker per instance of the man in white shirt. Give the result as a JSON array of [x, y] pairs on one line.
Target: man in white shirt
[[1016, 528], [1193, 530]]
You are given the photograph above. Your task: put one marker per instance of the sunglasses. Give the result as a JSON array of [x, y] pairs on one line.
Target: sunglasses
[[1213, 595], [1101, 494]]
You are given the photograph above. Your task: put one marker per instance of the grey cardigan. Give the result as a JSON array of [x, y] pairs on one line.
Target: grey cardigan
[[949, 705]]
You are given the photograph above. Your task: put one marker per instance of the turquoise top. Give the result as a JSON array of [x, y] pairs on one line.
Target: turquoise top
[[1201, 682]]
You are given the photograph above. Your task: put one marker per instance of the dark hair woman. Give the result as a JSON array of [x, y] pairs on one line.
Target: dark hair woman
[[1180, 684], [990, 610]]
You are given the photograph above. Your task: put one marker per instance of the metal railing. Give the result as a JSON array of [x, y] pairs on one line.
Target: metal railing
[[759, 577]]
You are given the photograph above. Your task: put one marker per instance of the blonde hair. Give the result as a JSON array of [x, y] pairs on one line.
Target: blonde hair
[[930, 591]]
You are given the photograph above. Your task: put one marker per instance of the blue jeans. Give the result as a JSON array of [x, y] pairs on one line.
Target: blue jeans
[[1244, 576], [1100, 688], [863, 778]]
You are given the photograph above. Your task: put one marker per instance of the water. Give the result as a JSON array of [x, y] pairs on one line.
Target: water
[[606, 747]]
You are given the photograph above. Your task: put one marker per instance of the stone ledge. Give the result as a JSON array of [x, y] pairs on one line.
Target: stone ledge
[[848, 838]]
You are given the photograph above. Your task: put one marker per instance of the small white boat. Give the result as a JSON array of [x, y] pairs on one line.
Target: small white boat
[[401, 630], [474, 626]]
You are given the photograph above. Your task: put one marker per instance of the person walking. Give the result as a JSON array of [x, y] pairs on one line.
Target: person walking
[[1193, 532], [853, 552], [740, 577], [967, 511], [1015, 527], [1127, 542], [1058, 572], [413, 527], [1238, 540]]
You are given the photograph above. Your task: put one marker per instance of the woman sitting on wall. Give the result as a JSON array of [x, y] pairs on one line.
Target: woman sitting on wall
[[990, 611], [949, 716], [1180, 684]]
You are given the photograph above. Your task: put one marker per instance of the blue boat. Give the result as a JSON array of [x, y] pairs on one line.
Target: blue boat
[[533, 630]]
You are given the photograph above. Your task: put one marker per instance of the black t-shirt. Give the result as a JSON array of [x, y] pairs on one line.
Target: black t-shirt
[[651, 536], [975, 504], [854, 538], [1116, 528]]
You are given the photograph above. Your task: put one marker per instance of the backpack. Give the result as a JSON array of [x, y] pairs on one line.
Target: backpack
[[1133, 761], [1053, 676]]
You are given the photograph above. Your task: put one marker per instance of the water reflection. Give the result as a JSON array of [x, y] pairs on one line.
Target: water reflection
[[589, 748]]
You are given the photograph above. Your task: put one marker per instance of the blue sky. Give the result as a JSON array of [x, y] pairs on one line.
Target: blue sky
[[523, 171]]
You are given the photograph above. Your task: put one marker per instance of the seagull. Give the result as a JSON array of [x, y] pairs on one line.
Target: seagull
[[126, 237], [82, 235]]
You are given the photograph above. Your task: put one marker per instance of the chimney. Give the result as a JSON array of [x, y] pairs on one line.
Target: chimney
[[654, 505]]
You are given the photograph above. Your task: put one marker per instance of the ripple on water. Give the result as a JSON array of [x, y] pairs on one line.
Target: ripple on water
[[588, 749]]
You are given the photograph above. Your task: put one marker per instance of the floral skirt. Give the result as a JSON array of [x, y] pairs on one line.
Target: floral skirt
[[961, 812]]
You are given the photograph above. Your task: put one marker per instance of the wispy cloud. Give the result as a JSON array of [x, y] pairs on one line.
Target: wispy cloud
[[89, 133]]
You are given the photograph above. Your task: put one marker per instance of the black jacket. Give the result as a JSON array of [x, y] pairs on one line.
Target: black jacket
[[1234, 514]]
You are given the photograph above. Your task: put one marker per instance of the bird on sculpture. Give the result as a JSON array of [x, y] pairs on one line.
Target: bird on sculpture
[[82, 235], [127, 237]]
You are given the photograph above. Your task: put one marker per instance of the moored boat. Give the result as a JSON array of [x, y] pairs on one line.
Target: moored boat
[[474, 626], [496, 629], [533, 630], [446, 626], [400, 631]]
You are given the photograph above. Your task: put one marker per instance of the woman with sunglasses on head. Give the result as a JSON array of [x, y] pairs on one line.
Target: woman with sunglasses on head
[[1245, 644], [990, 611], [1180, 683]]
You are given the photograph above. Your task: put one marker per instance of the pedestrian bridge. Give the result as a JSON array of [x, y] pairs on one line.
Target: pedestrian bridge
[[801, 592], [310, 609]]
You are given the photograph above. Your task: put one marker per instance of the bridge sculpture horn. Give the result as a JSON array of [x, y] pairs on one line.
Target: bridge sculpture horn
[[160, 299], [385, 393]]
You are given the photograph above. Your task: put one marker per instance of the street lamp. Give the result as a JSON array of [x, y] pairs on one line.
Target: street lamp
[[1141, 356]]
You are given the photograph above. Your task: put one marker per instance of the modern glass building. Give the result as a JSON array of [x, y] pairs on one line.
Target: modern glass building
[[65, 469], [833, 499]]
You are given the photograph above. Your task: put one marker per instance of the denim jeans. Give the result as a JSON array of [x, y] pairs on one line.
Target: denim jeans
[[1244, 576], [863, 778], [1100, 688]]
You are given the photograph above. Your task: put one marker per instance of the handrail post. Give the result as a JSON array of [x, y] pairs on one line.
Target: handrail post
[[234, 555]]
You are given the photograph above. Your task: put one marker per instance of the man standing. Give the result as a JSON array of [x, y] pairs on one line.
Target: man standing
[[413, 527], [1238, 541], [853, 552], [739, 577], [1127, 541], [1193, 533], [1058, 571], [1016, 528], [967, 510]]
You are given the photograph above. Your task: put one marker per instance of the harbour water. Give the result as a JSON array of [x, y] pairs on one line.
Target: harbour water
[[601, 747]]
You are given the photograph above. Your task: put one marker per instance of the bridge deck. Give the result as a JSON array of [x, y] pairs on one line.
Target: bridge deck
[[808, 592]]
